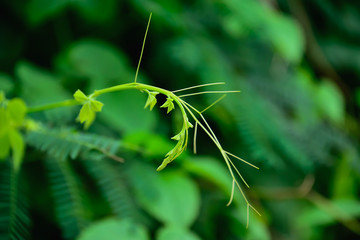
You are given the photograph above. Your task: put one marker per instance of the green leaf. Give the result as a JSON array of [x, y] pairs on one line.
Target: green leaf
[[168, 104], [117, 114], [178, 136], [80, 96], [15, 220], [330, 101], [151, 100], [90, 106], [211, 169], [106, 66], [17, 147], [65, 143], [4, 121], [171, 197], [87, 112], [69, 200], [40, 87], [96, 60], [2, 96], [152, 145], [176, 233], [17, 110], [34, 80], [114, 188], [96, 106], [188, 124], [86, 115], [286, 37], [4, 146], [6, 83], [114, 229], [344, 180], [282, 32], [315, 216]]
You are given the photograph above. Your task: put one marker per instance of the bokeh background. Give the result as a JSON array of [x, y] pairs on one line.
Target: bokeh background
[[297, 64]]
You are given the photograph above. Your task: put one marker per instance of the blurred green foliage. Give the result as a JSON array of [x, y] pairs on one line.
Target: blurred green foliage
[[295, 62]]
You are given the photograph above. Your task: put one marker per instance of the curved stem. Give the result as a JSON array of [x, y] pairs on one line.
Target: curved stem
[[185, 109], [141, 86], [142, 49], [126, 86], [66, 103]]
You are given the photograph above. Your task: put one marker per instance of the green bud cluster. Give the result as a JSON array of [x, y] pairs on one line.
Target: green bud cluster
[[151, 100], [182, 136], [89, 108]]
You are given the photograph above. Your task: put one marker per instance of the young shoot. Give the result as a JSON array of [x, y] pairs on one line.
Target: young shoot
[[91, 106]]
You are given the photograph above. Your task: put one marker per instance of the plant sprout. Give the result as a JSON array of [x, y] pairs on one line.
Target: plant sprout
[[90, 106]]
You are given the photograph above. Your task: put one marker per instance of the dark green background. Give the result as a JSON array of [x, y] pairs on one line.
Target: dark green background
[[297, 64]]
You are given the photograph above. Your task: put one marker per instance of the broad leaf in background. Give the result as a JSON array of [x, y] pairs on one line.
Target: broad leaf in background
[[171, 197], [286, 119], [6, 83], [314, 216], [40, 87], [215, 172], [97, 61], [344, 181], [175, 233], [114, 229], [211, 169], [325, 99], [106, 66], [253, 16], [151, 145], [286, 36], [331, 102]]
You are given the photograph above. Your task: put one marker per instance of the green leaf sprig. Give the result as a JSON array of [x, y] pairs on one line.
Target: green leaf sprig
[[90, 107], [151, 100]]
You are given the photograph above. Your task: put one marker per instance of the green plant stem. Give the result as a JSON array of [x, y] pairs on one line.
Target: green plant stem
[[66, 103], [126, 86], [141, 87], [185, 109], [142, 49]]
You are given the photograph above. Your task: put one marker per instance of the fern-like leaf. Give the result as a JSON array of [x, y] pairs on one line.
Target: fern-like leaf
[[62, 144], [69, 203], [14, 218], [263, 129], [112, 184]]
